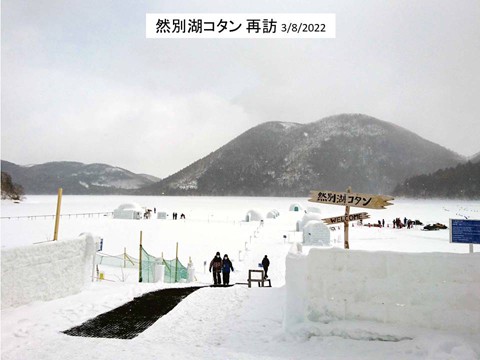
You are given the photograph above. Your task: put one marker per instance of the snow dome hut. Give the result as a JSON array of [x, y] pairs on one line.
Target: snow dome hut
[[128, 211], [253, 215], [313, 209], [273, 214], [306, 218], [316, 233], [295, 207]]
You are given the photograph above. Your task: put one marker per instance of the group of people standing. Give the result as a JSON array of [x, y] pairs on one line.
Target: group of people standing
[[406, 223], [175, 216], [224, 267], [219, 266], [397, 223]]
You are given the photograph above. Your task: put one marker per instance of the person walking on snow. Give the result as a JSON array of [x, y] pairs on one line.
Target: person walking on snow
[[265, 264], [216, 265], [226, 267]]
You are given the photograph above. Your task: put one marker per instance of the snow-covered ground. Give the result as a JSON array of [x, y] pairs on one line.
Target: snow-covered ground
[[223, 323]]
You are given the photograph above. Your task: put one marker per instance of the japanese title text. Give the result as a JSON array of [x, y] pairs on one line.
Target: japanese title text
[[343, 199], [255, 26]]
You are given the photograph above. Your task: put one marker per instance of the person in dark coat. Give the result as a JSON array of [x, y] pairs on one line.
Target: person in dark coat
[[399, 223], [216, 266], [265, 264], [226, 267]]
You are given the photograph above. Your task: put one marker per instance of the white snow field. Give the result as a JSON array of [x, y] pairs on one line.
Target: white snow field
[[236, 322]]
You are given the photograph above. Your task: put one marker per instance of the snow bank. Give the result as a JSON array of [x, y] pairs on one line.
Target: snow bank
[[46, 271], [433, 290]]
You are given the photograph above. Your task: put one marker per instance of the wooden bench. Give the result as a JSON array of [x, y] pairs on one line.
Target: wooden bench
[[261, 282]]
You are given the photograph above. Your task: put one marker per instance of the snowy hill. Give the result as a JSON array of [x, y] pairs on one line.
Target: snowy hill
[[289, 159], [75, 178], [475, 158]]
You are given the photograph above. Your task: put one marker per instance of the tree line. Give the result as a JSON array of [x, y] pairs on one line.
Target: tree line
[[461, 181], [10, 190]]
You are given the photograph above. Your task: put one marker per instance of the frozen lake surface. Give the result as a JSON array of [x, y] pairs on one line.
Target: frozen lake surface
[[233, 323]]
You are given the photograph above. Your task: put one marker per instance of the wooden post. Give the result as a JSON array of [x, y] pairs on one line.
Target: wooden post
[[176, 263], [346, 245], [57, 216], [140, 260]]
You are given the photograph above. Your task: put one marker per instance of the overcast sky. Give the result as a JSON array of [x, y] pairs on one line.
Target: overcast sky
[[81, 82]]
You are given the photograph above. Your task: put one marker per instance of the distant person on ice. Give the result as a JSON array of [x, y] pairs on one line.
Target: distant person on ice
[[216, 266], [265, 264], [226, 267]]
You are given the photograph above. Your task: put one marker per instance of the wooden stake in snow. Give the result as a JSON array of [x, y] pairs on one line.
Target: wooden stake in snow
[[57, 216], [346, 245], [140, 260], [176, 263]]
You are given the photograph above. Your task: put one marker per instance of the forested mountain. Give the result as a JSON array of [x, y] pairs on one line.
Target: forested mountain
[[461, 181], [279, 159], [475, 158], [10, 190], [290, 159], [75, 178]]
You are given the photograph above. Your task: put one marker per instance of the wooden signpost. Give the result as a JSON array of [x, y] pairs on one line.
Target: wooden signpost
[[348, 199], [351, 217]]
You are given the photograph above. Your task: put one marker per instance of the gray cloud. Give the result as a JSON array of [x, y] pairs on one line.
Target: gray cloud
[[81, 82]]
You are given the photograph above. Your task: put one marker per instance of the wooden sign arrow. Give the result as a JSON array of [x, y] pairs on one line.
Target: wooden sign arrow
[[350, 217], [350, 199]]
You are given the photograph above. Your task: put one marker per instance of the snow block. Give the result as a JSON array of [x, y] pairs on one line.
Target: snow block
[[46, 271], [306, 219], [128, 211], [296, 284], [439, 291], [316, 233]]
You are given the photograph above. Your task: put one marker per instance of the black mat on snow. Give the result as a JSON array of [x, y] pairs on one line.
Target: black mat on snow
[[134, 317]]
